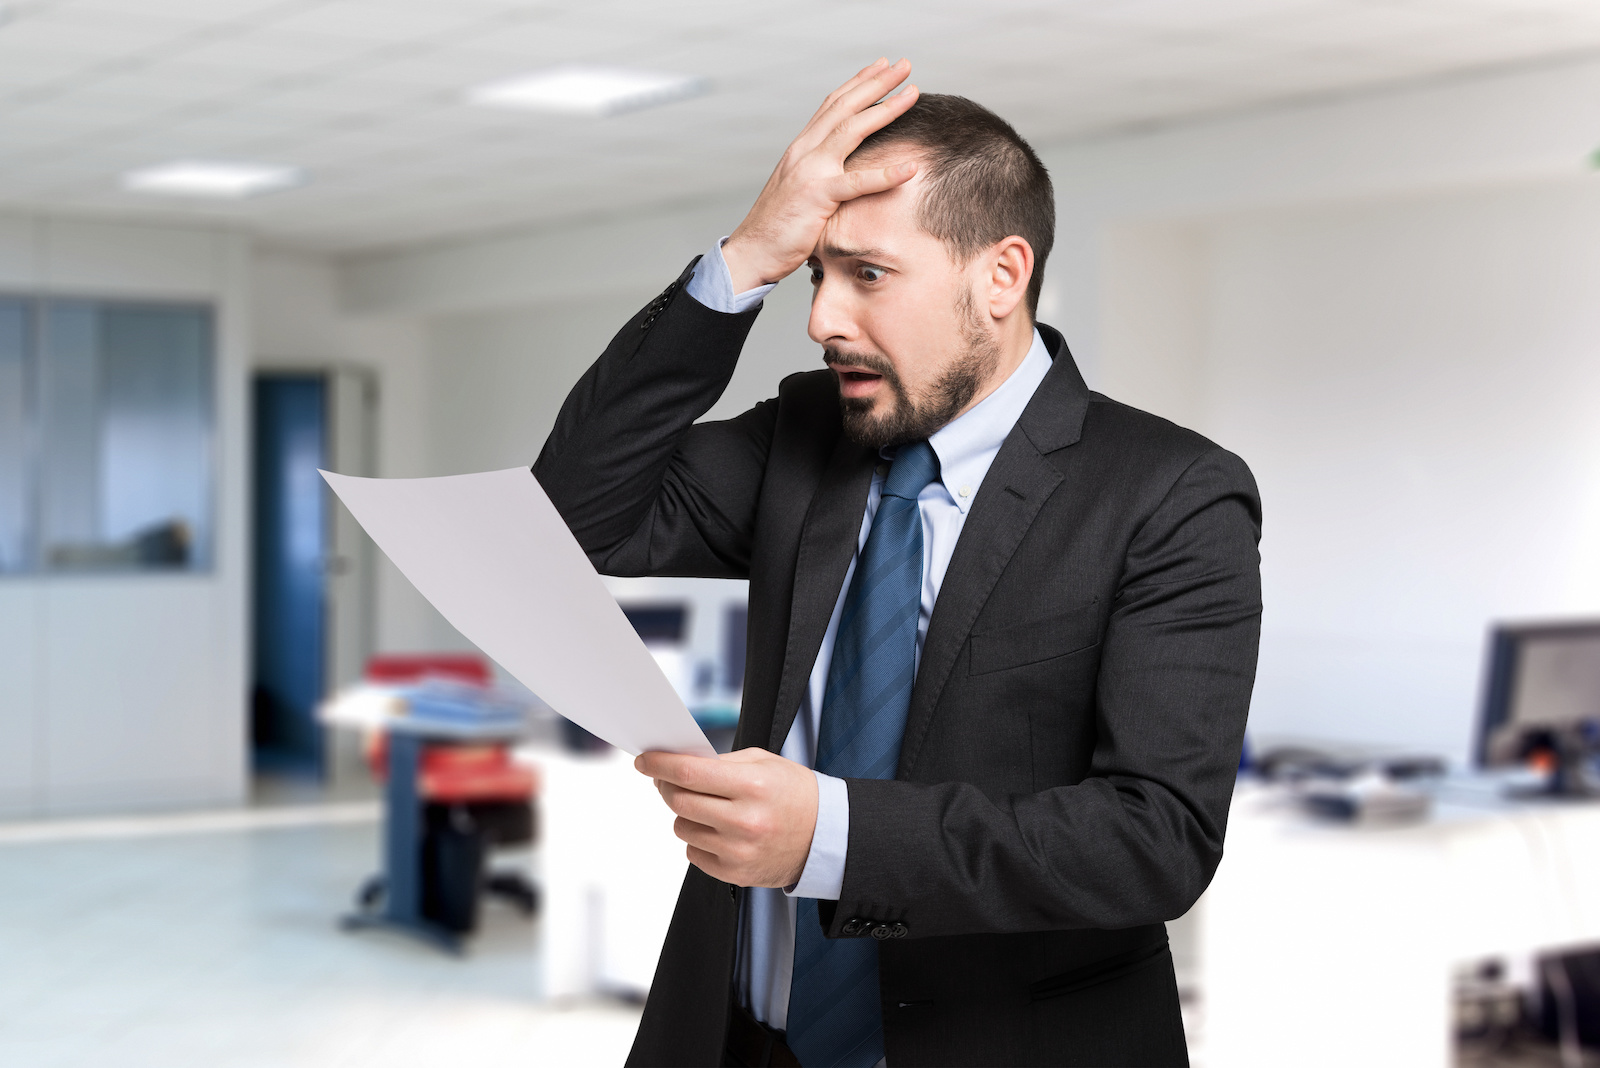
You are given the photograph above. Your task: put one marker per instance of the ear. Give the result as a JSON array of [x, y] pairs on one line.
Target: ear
[[1010, 267]]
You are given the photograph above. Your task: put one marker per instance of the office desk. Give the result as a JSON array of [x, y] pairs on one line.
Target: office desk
[[1329, 945], [407, 735]]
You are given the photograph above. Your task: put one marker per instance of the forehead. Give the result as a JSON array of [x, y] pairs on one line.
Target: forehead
[[885, 221]]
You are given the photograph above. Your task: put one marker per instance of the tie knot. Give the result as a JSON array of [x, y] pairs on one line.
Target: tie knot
[[915, 465]]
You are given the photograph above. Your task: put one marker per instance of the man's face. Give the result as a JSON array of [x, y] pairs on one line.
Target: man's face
[[896, 319]]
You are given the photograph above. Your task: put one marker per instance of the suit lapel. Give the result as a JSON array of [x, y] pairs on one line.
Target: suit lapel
[[1018, 483], [827, 543], [1013, 491]]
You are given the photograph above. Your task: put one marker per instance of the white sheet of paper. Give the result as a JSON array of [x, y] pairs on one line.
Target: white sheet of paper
[[493, 555]]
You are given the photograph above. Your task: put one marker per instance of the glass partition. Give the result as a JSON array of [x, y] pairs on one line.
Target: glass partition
[[120, 432], [15, 391]]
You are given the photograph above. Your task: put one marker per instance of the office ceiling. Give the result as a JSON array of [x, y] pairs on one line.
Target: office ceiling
[[366, 95]]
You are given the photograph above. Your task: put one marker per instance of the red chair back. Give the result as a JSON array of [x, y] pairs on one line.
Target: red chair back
[[396, 669]]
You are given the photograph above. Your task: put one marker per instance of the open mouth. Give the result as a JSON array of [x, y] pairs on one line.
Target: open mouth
[[854, 382], [860, 381]]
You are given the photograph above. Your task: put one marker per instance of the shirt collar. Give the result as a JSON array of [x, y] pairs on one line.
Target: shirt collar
[[967, 445]]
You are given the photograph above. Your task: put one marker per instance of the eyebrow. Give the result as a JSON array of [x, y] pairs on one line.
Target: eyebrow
[[836, 253]]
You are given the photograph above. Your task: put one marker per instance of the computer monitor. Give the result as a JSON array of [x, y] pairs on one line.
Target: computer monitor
[[735, 624], [659, 622], [1542, 694]]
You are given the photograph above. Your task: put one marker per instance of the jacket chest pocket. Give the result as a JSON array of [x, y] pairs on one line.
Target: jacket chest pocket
[[1032, 641]]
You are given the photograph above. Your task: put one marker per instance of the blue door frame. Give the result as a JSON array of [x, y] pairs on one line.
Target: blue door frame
[[291, 544]]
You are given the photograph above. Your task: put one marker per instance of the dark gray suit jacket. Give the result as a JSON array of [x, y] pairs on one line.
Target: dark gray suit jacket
[[1077, 716]]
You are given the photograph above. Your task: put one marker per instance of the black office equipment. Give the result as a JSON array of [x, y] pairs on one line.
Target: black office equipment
[[1569, 998], [735, 627], [666, 622], [1541, 704], [456, 840]]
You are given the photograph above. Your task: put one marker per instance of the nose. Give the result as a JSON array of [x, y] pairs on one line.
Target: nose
[[832, 316]]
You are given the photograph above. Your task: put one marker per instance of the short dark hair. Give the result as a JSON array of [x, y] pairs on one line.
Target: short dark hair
[[984, 182]]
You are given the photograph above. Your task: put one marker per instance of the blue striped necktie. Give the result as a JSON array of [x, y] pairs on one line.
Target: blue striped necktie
[[834, 1016]]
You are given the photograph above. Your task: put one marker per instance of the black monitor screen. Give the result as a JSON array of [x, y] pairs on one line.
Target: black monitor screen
[[735, 622], [658, 622], [1539, 677]]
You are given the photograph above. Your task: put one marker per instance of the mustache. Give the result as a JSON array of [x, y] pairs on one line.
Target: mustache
[[867, 361]]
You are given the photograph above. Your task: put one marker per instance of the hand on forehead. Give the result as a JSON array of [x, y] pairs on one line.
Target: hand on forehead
[[882, 228]]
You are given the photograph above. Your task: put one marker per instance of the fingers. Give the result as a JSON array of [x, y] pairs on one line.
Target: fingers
[[854, 96], [868, 180], [870, 71], [697, 834], [873, 87], [705, 809], [700, 774], [846, 137], [734, 776], [709, 863], [728, 849], [752, 754], [855, 80]]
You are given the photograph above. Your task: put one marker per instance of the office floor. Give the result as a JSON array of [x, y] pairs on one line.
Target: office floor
[[210, 940]]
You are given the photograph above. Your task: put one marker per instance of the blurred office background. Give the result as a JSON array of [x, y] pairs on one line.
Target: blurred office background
[[1355, 241]]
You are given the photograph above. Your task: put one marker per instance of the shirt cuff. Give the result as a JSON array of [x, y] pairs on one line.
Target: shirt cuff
[[823, 876], [712, 285]]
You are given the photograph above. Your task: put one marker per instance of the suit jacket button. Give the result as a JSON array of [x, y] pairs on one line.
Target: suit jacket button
[[898, 930], [852, 927], [882, 931]]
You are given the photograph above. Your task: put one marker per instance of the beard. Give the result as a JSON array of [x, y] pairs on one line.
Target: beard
[[917, 418]]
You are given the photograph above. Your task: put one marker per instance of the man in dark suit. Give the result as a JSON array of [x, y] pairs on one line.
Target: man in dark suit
[[1002, 630]]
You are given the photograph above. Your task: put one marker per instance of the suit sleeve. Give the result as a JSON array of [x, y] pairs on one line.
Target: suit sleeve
[[645, 489], [1139, 838]]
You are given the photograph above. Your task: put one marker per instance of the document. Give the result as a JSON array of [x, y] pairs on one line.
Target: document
[[493, 555]]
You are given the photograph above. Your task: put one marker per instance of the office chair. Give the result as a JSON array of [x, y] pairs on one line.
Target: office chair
[[474, 799]]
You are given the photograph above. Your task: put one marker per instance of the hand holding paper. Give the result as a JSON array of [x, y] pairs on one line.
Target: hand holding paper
[[493, 555], [748, 818]]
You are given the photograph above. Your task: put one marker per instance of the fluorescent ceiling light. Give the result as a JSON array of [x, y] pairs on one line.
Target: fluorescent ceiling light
[[220, 181], [581, 90]]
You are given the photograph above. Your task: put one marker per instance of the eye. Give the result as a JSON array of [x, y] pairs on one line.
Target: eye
[[869, 273], [816, 275]]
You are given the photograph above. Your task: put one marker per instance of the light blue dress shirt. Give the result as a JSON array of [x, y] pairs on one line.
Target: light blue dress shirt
[[965, 447]]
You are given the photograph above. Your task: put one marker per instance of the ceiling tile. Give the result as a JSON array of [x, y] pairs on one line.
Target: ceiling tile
[[366, 94]]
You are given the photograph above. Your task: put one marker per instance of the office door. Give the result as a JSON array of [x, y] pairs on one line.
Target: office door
[[291, 552]]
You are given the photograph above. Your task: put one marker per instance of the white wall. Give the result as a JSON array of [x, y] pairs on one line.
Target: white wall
[[1414, 382], [498, 378], [129, 690], [1472, 131]]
